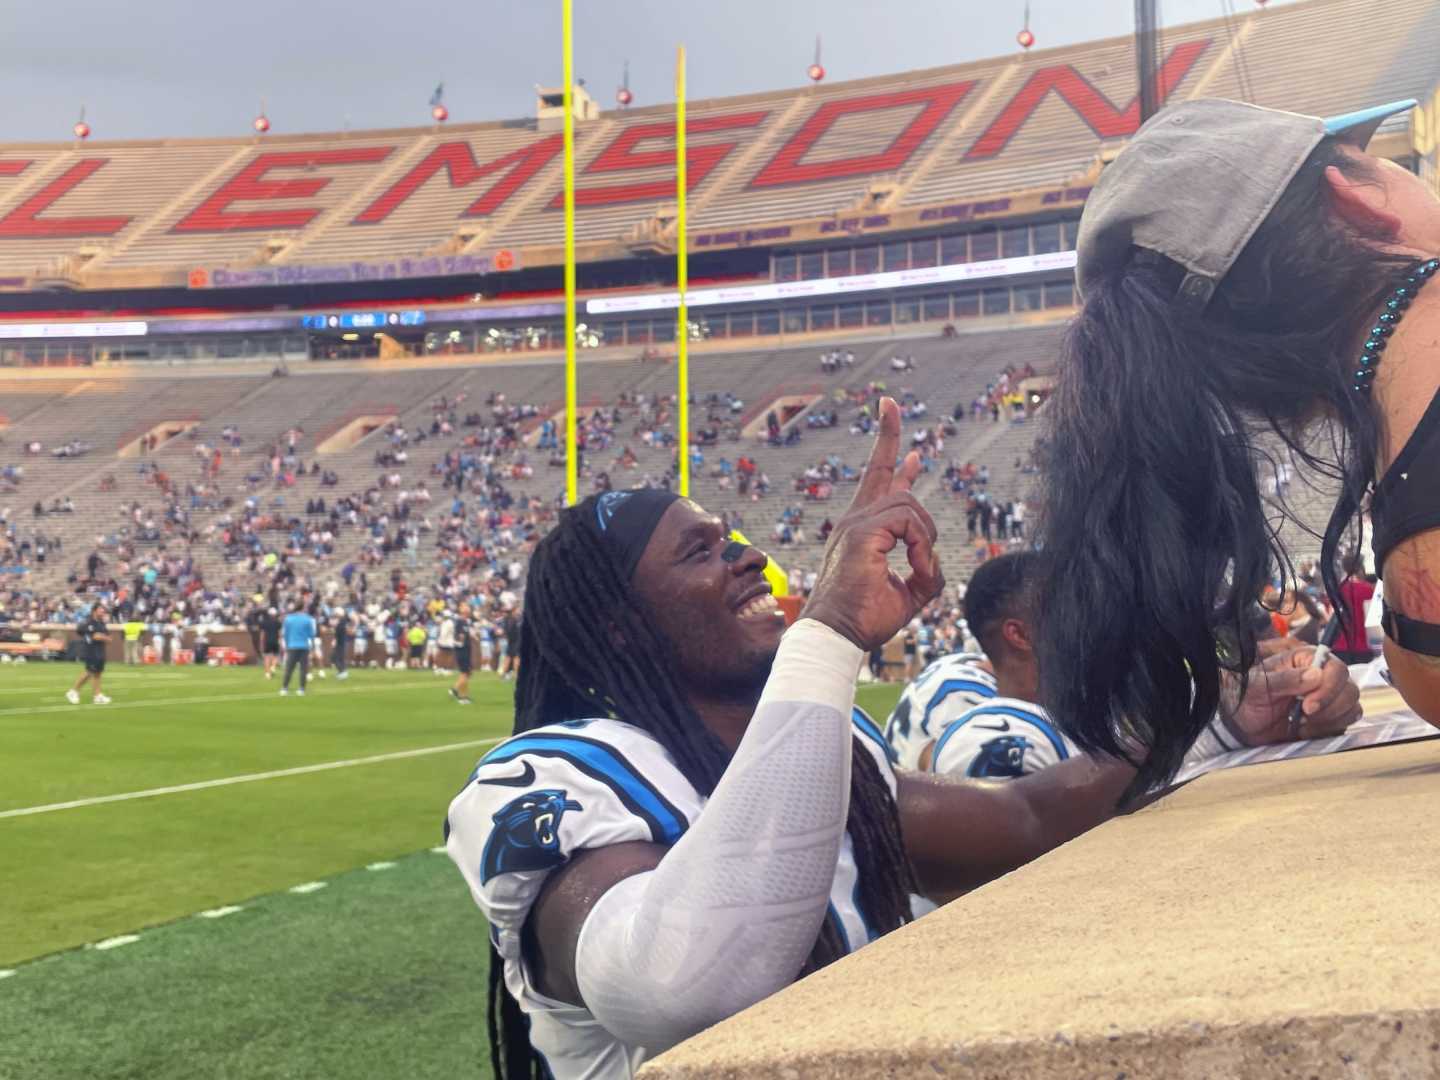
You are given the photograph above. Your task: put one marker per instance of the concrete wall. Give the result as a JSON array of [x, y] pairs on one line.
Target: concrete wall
[[1272, 921]]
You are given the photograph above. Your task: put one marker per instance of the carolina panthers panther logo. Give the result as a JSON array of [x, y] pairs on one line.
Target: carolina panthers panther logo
[[526, 835], [1000, 759], [607, 506]]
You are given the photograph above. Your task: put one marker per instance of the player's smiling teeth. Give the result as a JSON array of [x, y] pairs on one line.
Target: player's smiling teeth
[[761, 605]]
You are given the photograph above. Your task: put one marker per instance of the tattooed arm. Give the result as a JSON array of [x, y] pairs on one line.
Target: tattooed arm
[[1412, 587]]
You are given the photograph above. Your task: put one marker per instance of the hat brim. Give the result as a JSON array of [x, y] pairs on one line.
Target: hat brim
[[1358, 128]]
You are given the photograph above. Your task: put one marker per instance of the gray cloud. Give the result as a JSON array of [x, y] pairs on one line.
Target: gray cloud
[[155, 68]]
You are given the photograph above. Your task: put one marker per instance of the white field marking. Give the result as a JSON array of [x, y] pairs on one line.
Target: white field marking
[[308, 887], [220, 912], [380, 866], [225, 781], [48, 687], [439, 851], [145, 703], [116, 942], [7, 973]]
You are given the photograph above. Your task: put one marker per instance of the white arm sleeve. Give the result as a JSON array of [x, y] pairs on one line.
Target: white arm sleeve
[[733, 909]]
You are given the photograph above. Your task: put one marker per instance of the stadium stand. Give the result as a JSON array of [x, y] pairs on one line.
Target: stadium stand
[[886, 145], [949, 169], [194, 413]]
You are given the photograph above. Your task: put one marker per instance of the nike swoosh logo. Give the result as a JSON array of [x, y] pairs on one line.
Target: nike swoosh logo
[[525, 779], [1003, 725]]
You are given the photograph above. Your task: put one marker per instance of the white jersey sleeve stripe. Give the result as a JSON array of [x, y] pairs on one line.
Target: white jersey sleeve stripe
[[867, 727]]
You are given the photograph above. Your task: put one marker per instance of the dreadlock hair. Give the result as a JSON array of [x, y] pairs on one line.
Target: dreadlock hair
[[1155, 537], [574, 667]]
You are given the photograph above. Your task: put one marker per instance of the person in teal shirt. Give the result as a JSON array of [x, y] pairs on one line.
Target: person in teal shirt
[[298, 631]]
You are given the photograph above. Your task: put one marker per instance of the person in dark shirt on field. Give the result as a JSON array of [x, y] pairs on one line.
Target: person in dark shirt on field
[[510, 649], [461, 652], [93, 637], [252, 626], [340, 649], [270, 640]]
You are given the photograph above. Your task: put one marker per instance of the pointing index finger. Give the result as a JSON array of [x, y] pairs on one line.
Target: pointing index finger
[[880, 469]]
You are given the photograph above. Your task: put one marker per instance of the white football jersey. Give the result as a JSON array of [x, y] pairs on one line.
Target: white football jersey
[[543, 795], [944, 690], [1000, 739]]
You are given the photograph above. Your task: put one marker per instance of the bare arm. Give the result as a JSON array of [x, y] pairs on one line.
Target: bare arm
[[552, 933], [1412, 587], [960, 834]]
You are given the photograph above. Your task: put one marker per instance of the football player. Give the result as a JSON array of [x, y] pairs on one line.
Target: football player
[[689, 816]]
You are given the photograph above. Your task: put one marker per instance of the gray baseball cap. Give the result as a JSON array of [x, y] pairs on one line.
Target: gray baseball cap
[[1198, 179]]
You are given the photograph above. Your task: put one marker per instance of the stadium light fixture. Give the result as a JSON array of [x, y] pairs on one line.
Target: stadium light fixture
[[623, 96], [1025, 38], [816, 70]]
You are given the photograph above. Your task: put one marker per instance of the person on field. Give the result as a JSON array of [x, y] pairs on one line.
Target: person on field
[[93, 636], [270, 640], [415, 640], [340, 647], [132, 630], [299, 632], [462, 644]]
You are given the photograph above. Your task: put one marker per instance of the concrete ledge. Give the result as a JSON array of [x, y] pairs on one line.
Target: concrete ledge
[[1273, 921]]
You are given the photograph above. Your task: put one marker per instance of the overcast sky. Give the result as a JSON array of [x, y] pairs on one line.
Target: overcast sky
[[147, 68]]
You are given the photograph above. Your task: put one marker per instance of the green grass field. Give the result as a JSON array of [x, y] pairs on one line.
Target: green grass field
[[380, 973]]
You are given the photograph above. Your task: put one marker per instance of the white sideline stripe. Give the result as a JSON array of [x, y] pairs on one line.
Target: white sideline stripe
[[308, 887], [49, 686], [7, 973], [380, 866], [299, 770], [145, 703], [439, 851], [116, 942], [220, 912]]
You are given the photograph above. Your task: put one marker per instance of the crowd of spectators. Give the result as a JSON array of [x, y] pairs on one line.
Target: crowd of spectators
[[456, 496]]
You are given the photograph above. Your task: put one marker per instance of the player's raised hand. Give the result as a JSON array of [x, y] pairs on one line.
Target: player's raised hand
[[856, 592]]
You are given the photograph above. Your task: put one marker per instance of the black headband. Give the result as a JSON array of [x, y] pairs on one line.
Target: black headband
[[627, 519]]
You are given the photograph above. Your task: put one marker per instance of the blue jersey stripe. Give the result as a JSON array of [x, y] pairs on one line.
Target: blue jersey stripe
[[839, 924], [607, 765], [1032, 718], [861, 719], [940, 743], [953, 686], [870, 934]]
